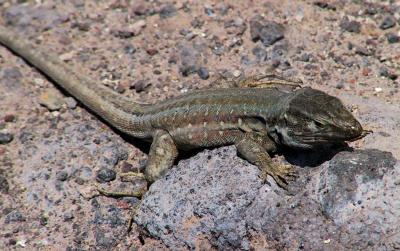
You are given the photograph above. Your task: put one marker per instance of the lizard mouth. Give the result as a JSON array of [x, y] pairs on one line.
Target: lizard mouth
[[324, 139], [362, 135]]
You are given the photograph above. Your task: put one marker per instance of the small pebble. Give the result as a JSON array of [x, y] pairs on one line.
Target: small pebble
[[62, 176], [152, 51], [140, 85], [378, 89], [71, 102], [392, 38], [106, 175], [4, 186], [385, 72], [388, 22], [14, 216], [260, 53], [197, 23], [269, 32], [9, 118], [68, 216], [324, 5], [127, 167], [129, 49], [362, 51], [50, 100], [339, 85], [203, 73], [167, 11], [236, 73], [350, 26], [6, 138], [138, 26]]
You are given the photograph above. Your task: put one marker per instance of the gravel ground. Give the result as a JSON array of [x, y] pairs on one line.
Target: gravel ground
[[53, 151]]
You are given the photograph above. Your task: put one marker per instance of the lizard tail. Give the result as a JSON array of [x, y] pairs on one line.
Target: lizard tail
[[117, 110]]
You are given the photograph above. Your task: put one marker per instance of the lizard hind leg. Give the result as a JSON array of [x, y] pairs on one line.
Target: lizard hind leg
[[163, 152], [162, 155], [256, 153]]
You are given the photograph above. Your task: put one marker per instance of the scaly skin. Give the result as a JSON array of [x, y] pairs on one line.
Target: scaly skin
[[256, 120]]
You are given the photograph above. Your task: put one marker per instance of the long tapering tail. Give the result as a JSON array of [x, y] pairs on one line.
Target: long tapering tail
[[115, 109]]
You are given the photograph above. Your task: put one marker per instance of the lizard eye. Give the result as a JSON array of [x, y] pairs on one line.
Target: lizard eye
[[318, 124]]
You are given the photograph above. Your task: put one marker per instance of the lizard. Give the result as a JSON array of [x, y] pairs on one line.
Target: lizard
[[256, 120]]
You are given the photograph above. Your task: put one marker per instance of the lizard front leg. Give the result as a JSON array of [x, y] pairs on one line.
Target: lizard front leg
[[254, 148]]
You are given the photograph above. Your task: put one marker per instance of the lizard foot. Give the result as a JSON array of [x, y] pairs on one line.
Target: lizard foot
[[118, 194], [282, 174], [132, 217], [131, 175]]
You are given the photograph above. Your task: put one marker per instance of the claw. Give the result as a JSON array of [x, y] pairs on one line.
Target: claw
[[281, 175]]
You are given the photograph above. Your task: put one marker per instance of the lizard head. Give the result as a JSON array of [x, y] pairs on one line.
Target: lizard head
[[312, 118]]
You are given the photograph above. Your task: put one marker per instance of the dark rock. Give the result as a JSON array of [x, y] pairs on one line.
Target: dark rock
[[347, 172], [141, 10], [350, 26], [209, 11], [123, 33], [392, 38], [235, 26], [340, 85], [360, 50], [385, 72], [62, 176], [305, 57], [197, 23], [388, 22], [324, 5], [269, 32], [4, 186], [208, 198], [152, 51], [127, 167], [8, 118], [168, 10], [5, 137], [203, 73], [260, 53], [68, 216], [14, 216], [189, 58], [106, 175], [82, 26], [129, 49], [141, 85]]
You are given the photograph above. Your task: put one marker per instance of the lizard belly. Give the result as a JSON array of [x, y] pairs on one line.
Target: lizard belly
[[205, 135]]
